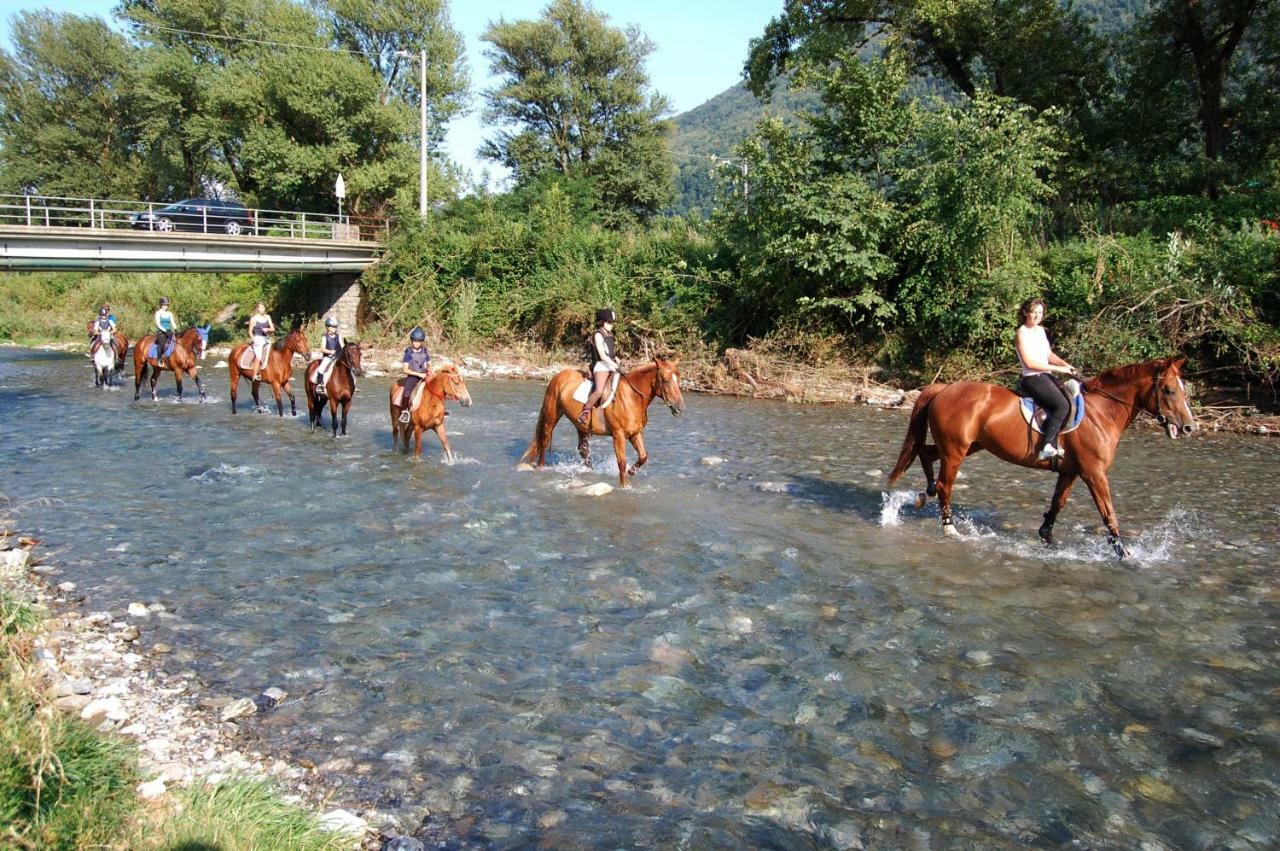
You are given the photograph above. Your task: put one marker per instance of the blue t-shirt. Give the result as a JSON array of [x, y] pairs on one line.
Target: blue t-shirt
[[417, 358]]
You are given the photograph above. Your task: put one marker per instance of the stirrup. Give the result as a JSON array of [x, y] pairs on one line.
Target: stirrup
[[405, 416]]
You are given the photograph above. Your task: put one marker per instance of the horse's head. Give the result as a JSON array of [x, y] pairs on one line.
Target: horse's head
[[452, 385], [666, 384], [201, 341], [352, 354], [106, 337], [1168, 401], [296, 343]]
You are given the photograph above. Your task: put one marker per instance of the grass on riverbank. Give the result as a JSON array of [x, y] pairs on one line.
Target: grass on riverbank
[[65, 786]]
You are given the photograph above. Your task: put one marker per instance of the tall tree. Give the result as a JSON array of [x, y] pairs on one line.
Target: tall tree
[[68, 113], [574, 100]]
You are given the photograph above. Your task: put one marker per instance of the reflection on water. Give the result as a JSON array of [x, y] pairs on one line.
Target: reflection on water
[[771, 651]]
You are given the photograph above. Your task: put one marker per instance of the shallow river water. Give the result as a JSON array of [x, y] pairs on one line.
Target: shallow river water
[[772, 651]]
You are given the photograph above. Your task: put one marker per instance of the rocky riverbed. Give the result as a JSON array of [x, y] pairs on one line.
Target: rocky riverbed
[[102, 667]]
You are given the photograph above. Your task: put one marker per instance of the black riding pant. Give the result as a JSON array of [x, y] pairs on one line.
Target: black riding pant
[[410, 383], [1048, 395]]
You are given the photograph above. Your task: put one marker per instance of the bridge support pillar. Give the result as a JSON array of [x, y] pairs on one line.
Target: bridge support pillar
[[339, 295]]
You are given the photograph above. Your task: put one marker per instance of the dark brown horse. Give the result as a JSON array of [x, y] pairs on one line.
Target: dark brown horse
[[277, 371], [444, 383], [339, 389], [625, 419], [188, 347], [968, 417]]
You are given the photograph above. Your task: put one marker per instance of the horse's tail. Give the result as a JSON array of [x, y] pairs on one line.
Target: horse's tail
[[546, 421], [916, 427]]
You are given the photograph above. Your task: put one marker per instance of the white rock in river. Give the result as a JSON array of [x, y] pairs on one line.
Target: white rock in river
[[712, 460], [137, 610], [598, 489], [344, 821], [741, 624], [238, 708], [12, 562], [525, 467], [110, 708]]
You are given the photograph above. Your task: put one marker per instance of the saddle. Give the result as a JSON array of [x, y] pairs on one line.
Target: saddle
[[1033, 415], [584, 391], [398, 400], [168, 350], [247, 359]]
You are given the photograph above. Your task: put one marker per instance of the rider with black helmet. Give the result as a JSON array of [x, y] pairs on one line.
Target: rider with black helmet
[[166, 326], [416, 365], [603, 359], [330, 346], [104, 322]]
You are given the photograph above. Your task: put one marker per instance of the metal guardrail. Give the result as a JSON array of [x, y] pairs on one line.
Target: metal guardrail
[[102, 214]]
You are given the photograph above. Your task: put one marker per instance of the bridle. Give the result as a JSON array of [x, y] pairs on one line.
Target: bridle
[[659, 387], [1154, 402]]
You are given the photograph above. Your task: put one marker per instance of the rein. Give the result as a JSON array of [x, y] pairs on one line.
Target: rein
[[1155, 401]]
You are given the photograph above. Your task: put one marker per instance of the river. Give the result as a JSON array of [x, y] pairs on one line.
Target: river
[[772, 651]]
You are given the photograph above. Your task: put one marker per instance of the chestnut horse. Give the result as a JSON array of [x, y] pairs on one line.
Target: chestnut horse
[[339, 389], [624, 419], [444, 383], [968, 417], [188, 347], [277, 372]]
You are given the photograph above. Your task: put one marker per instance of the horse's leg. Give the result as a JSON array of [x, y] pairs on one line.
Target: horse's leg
[[195, 376], [234, 372], [950, 465], [333, 413], [637, 440], [620, 450], [444, 441], [417, 440], [257, 403], [177, 380], [293, 405], [275, 391], [1100, 489], [1060, 493], [928, 456], [155, 376], [139, 373]]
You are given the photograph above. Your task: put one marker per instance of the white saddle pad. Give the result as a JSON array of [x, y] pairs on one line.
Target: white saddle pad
[[1034, 415], [583, 393]]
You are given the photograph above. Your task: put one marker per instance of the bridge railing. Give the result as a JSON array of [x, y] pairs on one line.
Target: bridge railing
[[43, 211]]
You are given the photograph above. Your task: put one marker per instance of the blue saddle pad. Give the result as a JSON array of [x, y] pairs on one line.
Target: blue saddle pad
[[168, 350], [1034, 416]]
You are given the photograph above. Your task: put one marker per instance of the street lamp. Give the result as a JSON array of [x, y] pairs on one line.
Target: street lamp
[[340, 190], [422, 129]]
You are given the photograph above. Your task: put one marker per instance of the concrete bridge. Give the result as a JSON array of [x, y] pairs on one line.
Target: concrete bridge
[[83, 235]]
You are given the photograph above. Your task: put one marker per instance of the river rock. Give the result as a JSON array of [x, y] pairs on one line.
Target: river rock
[[238, 709], [13, 562], [71, 703], [129, 634], [151, 789], [73, 686], [108, 708], [598, 489], [1200, 738], [138, 610], [403, 843], [66, 587], [552, 819], [712, 461], [344, 821], [269, 698], [523, 467]]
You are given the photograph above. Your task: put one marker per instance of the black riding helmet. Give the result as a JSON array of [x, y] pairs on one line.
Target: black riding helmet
[[417, 335], [164, 301], [605, 314]]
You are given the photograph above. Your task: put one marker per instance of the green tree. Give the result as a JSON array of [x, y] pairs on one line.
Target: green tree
[[68, 111], [573, 100]]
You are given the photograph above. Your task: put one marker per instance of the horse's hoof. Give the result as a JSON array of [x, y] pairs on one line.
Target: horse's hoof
[[949, 529], [922, 499]]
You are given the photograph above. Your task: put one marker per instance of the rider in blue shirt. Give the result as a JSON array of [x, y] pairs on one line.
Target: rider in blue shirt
[[416, 366], [166, 326]]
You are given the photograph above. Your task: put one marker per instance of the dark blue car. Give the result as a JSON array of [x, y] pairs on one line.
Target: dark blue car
[[203, 215]]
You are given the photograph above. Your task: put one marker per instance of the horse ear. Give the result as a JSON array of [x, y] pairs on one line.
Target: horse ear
[[674, 362], [1179, 362]]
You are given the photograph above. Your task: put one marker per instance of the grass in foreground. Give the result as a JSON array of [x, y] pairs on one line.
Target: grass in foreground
[[65, 786]]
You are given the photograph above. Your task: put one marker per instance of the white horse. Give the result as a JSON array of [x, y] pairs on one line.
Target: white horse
[[104, 359]]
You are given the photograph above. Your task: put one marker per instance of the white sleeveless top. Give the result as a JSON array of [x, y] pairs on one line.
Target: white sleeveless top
[[1037, 346]]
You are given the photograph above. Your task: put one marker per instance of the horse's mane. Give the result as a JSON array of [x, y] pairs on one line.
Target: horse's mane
[[1126, 374]]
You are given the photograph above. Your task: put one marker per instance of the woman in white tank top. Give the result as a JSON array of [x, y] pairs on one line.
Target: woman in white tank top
[[1038, 360]]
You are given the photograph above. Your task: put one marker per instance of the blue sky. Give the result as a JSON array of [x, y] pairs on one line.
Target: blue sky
[[700, 46]]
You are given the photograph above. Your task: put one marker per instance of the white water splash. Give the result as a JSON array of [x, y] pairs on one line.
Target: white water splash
[[891, 506], [223, 472]]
